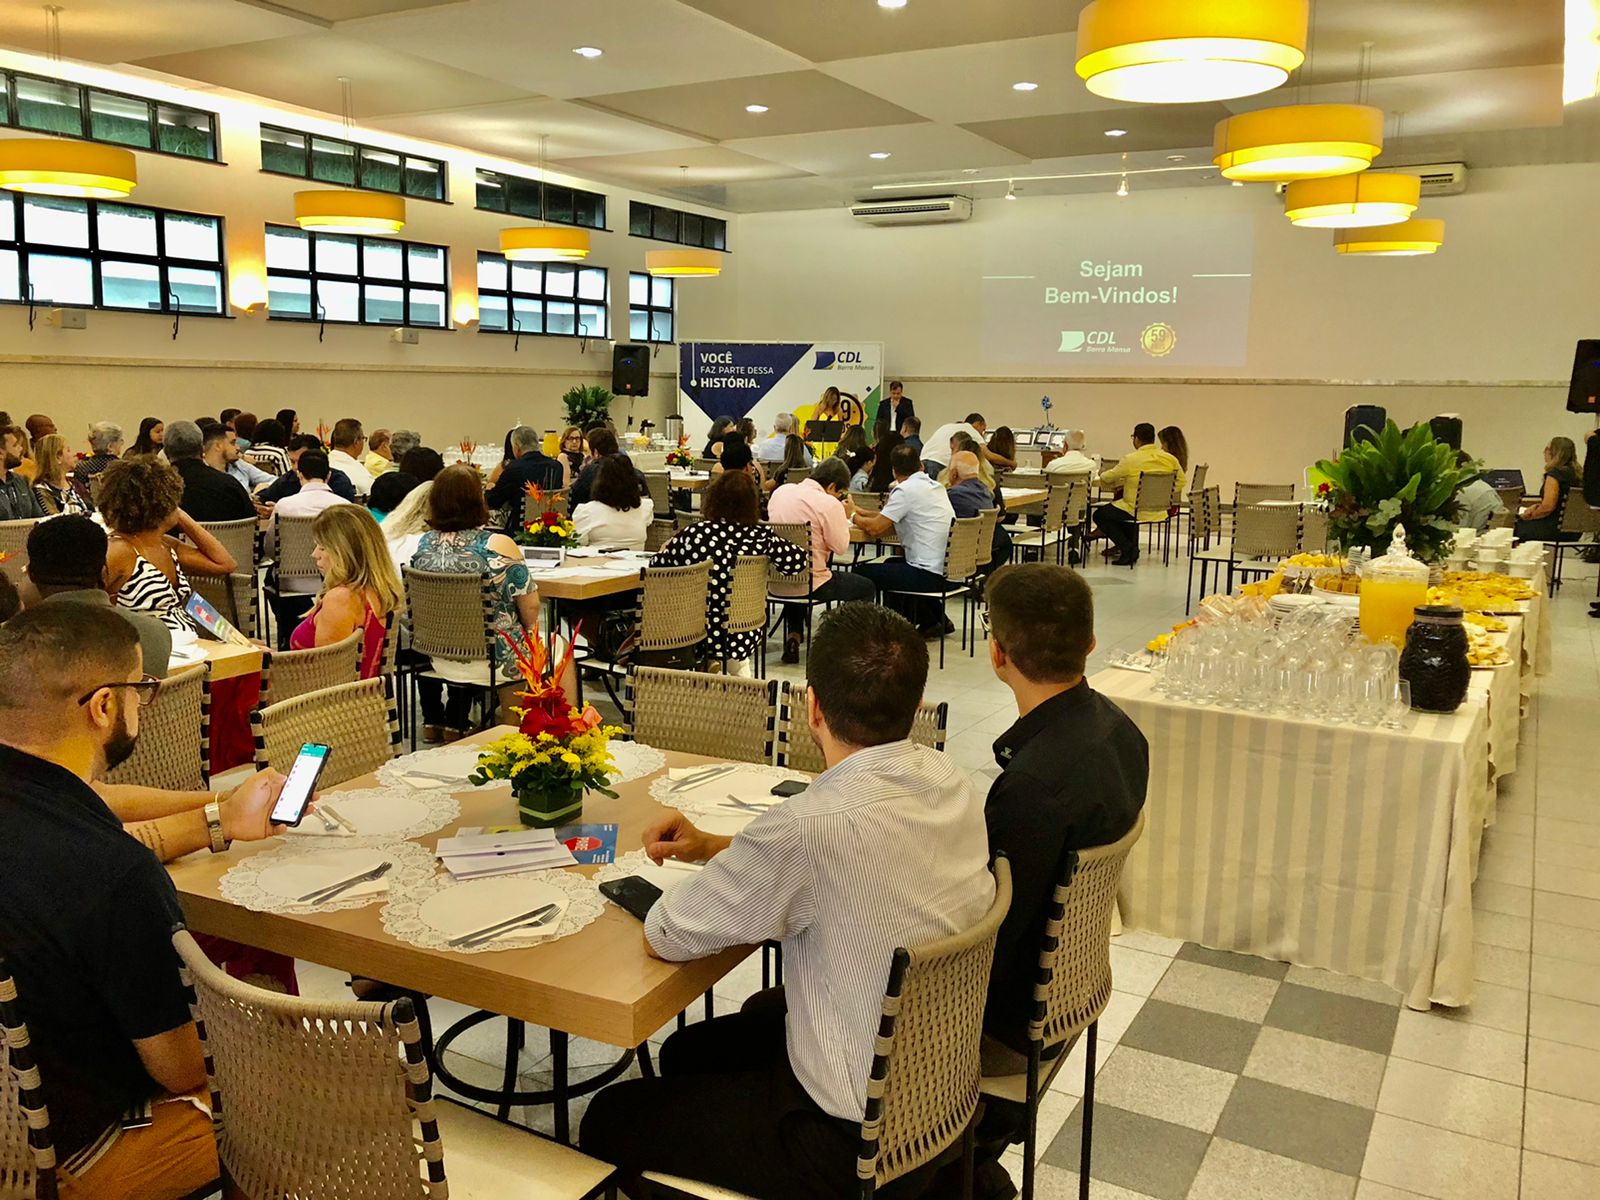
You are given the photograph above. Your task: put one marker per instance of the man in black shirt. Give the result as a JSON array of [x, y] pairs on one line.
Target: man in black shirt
[[288, 484], [87, 913], [209, 494], [603, 445], [530, 465]]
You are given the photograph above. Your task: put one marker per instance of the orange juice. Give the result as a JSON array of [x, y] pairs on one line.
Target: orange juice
[[1388, 607], [552, 445]]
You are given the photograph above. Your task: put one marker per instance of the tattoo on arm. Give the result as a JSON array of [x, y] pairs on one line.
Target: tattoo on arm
[[149, 832]]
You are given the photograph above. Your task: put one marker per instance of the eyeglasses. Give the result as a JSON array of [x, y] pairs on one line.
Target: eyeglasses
[[144, 690]]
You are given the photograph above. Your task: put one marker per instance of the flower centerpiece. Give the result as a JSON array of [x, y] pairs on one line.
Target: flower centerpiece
[[682, 456], [548, 528], [558, 752], [1408, 479]]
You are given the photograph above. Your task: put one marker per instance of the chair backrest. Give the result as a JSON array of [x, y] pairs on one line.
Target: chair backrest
[[1255, 493], [1197, 479], [867, 501], [14, 535], [672, 607], [1074, 980], [1205, 515], [923, 1088], [1576, 515], [1271, 531], [174, 746], [27, 1153], [1154, 492], [1314, 532], [368, 1127], [234, 596], [799, 582], [987, 519], [448, 614], [696, 713], [290, 673], [682, 519], [357, 720], [660, 485], [391, 648], [238, 538], [798, 750], [747, 597], [961, 551], [1075, 505], [658, 533], [292, 542]]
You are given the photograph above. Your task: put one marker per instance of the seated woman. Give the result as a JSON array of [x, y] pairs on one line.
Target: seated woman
[[403, 528], [795, 458], [458, 541], [360, 586], [147, 568], [721, 428], [731, 527], [1002, 449], [615, 514], [881, 475], [854, 450], [54, 488], [1541, 521], [388, 490], [573, 453], [269, 448]]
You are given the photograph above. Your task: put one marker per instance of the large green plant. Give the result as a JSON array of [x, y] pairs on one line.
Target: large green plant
[[587, 406], [1406, 479]]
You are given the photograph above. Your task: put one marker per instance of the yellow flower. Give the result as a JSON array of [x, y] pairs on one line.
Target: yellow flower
[[547, 737], [541, 759], [571, 759]]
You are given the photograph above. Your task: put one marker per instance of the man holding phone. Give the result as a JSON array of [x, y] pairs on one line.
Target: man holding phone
[[886, 848]]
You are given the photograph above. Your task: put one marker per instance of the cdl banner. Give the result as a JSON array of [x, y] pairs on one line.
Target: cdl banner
[[761, 379]]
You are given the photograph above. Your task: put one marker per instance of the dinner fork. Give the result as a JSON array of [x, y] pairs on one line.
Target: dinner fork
[[328, 892]]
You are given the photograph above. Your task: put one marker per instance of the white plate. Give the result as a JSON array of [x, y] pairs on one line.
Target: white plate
[[297, 876], [377, 814], [482, 902]]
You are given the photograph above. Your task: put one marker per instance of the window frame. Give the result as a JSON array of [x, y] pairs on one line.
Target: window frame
[[11, 116], [654, 213], [97, 257], [357, 150], [544, 187], [361, 279], [650, 309], [544, 298]]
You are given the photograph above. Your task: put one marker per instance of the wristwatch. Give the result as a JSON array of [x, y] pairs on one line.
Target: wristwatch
[[213, 813]]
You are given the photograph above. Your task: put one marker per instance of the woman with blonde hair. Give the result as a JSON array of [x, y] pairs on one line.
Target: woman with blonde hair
[[1541, 520], [360, 586], [406, 523], [54, 485]]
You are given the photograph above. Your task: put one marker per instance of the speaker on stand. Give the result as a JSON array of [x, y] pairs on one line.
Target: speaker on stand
[[630, 369], [1363, 422], [1584, 394]]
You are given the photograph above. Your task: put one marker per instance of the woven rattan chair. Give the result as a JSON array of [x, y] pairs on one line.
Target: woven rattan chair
[[795, 588], [870, 502], [1052, 530], [1262, 535], [234, 596], [448, 618], [660, 485], [747, 605], [697, 713], [174, 746], [798, 750], [240, 539], [356, 720], [1314, 531], [988, 518], [681, 520], [1255, 493], [1205, 523], [922, 1092], [1510, 502], [291, 673], [371, 1126], [1070, 991], [960, 564], [292, 541], [672, 613], [1154, 494], [27, 1153], [14, 535], [658, 533]]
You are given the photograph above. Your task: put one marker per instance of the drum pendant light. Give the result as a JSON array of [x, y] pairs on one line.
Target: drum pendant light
[[1352, 201], [683, 264], [50, 167], [1187, 51], [541, 243], [334, 211], [1420, 235], [1298, 141]]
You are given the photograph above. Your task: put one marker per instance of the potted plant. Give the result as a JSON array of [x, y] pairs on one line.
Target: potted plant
[[587, 406], [1408, 479]]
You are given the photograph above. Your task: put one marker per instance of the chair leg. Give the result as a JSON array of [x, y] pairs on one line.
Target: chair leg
[[560, 1085], [516, 1036], [1030, 1130], [1088, 1111], [969, 1157], [647, 1068]]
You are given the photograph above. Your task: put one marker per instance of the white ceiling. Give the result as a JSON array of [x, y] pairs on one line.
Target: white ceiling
[[663, 108]]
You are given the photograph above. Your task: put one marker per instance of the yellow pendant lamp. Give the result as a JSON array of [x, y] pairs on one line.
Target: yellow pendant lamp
[[544, 244], [1420, 235], [1186, 51], [1353, 201], [349, 212], [50, 167], [1298, 141], [683, 264]]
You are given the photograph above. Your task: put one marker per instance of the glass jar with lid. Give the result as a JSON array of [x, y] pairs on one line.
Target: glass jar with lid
[[1434, 661]]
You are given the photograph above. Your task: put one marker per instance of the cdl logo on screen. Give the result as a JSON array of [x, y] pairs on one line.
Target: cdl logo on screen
[[1073, 341], [827, 360]]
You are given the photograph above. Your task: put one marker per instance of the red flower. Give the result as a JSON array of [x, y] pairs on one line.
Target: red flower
[[550, 519], [1324, 488]]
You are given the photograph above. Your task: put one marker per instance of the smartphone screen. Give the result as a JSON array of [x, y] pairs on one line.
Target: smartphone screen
[[302, 781]]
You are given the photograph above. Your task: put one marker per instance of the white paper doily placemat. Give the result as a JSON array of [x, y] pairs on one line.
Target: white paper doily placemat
[[441, 767], [273, 881], [430, 915], [666, 877], [634, 760], [752, 781], [379, 815]]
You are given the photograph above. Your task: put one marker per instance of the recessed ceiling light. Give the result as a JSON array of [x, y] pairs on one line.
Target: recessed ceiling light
[[891, 3], [1116, 133], [1024, 86], [879, 153], [755, 108], [588, 51], [1175, 158]]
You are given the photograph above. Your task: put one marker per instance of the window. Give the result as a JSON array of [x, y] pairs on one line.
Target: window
[[350, 164], [650, 312], [554, 299], [520, 197], [74, 110], [355, 280], [670, 225], [97, 254]]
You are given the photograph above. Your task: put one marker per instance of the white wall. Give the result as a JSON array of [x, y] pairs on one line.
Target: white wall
[[1485, 327]]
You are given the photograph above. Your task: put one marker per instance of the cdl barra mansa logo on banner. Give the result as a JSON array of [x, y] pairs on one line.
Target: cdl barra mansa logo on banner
[[839, 360], [1092, 341]]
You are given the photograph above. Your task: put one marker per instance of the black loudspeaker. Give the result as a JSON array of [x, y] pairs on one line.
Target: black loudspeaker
[[1363, 421], [630, 370], [1584, 395], [1447, 429]]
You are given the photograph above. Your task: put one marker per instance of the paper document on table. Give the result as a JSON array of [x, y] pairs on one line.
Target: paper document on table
[[563, 572], [480, 855]]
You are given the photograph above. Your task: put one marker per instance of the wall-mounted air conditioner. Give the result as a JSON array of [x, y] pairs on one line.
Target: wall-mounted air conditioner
[[913, 210]]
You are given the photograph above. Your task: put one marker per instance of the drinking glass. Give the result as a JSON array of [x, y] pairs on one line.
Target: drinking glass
[[1399, 705]]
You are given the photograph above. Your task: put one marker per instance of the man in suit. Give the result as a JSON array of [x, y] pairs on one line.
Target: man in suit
[[530, 465], [898, 408]]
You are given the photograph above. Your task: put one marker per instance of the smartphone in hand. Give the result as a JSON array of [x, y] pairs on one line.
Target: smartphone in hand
[[301, 784]]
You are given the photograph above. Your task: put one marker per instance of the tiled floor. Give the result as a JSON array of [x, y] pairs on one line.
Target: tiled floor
[[1223, 1077]]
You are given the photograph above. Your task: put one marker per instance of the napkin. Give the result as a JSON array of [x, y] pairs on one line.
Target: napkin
[[296, 877]]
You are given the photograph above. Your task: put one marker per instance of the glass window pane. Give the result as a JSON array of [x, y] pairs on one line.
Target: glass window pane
[[527, 316], [126, 230], [638, 325], [288, 296], [491, 311], [561, 316], [185, 131], [691, 229], [130, 285], [427, 307], [5, 98], [47, 106], [283, 151], [55, 221], [592, 320], [560, 280], [638, 288], [10, 280], [522, 196], [589, 208], [660, 292], [339, 301], [193, 237], [8, 213], [719, 234], [558, 204], [120, 119], [491, 273], [424, 178], [336, 254], [592, 283], [427, 263], [332, 161], [660, 327], [491, 192], [383, 260], [196, 288], [380, 170], [57, 279], [385, 305], [664, 225], [639, 223], [527, 278], [288, 249]]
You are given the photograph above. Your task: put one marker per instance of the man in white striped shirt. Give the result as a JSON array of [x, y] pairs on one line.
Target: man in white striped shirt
[[886, 848]]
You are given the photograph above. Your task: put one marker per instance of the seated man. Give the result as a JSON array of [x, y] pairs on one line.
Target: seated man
[[1479, 502], [87, 914], [1117, 521], [288, 484], [884, 849], [918, 511], [1071, 461], [969, 496], [347, 442], [529, 466], [199, 457], [911, 430], [823, 503]]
